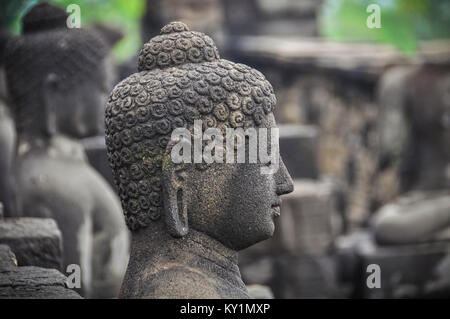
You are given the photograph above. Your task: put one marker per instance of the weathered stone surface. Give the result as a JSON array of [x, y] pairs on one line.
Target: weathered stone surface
[[299, 150], [30, 282], [35, 241], [7, 258]]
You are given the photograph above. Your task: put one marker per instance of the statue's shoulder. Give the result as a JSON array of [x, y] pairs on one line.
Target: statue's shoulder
[[180, 281]]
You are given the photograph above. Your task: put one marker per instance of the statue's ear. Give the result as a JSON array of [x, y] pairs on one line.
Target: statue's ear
[[174, 195], [50, 103]]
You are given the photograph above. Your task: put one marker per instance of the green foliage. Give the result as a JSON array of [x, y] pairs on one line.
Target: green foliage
[[122, 14], [403, 22]]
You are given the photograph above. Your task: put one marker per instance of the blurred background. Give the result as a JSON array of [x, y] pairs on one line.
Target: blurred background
[[364, 116]]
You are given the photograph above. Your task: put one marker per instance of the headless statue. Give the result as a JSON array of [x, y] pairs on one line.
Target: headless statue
[[189, 220], [415, 134], [57, 83]]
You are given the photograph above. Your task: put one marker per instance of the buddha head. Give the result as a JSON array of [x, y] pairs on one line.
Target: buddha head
[[57, 77], [182, 81]]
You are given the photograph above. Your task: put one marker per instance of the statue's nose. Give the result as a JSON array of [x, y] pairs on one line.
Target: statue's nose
[[285, 185]]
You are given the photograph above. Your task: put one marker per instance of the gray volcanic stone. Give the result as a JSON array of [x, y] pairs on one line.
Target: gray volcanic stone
[[35, 241], [189, 220], [7, 258], [30, 282]]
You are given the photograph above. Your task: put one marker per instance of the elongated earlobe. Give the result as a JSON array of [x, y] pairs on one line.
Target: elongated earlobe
[[176, 213], [174, 197]]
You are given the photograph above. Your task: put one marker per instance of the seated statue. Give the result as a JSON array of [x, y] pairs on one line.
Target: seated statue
[[7, 132], [57, 83], [415, 137], [189, 219]]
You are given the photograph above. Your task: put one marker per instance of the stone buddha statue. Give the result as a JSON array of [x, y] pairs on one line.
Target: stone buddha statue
[[415, 135], [57, 84], [188, 220]]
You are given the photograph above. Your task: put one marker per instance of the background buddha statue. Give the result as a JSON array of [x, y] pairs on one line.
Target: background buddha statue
[[7, 132], [57, 83], [415, 136], [189, 220]]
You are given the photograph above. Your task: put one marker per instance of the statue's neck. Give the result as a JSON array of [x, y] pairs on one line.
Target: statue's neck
[[153, 248]]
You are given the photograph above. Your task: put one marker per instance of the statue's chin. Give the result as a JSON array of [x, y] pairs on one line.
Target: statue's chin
[[262, 233]]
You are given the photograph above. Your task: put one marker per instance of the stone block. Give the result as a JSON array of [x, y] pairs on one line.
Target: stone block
[[298, 148], [309, 220], [30, 282], [35, 241], [7, 258]]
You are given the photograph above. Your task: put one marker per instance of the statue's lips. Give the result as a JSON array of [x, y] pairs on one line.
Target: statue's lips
[[276, 210]]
